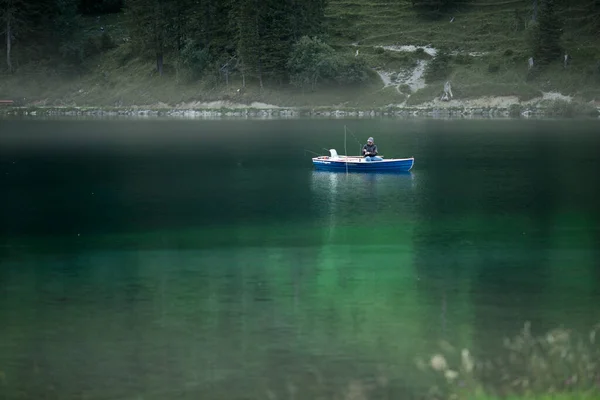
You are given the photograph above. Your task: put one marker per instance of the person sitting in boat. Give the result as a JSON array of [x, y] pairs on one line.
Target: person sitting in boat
[[370, 151]]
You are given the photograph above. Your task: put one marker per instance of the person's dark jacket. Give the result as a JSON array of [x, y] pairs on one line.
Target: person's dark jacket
[[370, 149]]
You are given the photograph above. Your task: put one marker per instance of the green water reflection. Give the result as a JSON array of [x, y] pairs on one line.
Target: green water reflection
[[248, 281]]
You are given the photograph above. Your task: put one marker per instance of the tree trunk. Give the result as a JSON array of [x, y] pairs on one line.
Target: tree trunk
[[8, 45], [159, 63], [179, 30], [259, 51], [159, 36], [207, 23], [535, 10]]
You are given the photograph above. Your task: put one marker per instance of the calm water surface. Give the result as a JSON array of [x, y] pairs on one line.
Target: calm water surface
[[162, 259]]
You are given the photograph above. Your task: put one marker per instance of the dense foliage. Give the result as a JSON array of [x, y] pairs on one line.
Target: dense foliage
[[545, 34], [261, 40], [97, 7], [432, 8], [312, 61], [439, 68], [253, 37], [55, 23]]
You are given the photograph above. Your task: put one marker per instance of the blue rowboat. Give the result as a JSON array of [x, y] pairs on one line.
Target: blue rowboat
[[336, 162]]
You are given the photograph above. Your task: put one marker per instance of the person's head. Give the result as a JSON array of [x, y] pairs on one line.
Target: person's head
[[370, 141]]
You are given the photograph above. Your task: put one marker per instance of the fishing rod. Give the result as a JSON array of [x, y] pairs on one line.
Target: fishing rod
[[313, 152], [360, 145], [345, 150]]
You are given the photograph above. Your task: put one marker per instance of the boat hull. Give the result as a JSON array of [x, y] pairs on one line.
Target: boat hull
[[360, 165]]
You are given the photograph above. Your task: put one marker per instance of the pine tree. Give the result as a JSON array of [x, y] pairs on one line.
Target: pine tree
[[431, 8], [66, 23], [306, 17], [545, 34], [23, 20], [594, 14], [93, 7], [248, 16], [9, 20], [15, 18], [310, 61], [152, 27], [277, 38], [266, 31]]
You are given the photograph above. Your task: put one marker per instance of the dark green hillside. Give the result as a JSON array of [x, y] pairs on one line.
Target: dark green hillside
[[166, 52]]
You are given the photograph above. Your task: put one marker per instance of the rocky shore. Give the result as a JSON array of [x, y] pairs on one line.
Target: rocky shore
[[275, 113], [500, 107]]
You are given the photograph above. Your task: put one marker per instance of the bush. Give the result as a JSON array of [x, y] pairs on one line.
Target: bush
[[379, 50], [493, 68], [66, 26], [349, 70], [404, 88], [515, 110], [563, 108], [508, 52], [432, 8], [439, 68], [312, 61], [557, 362], [544, 35], [193, 61], [94, 7], [98, 44]]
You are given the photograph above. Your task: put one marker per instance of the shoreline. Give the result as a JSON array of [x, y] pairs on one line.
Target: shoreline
[[276, 112]]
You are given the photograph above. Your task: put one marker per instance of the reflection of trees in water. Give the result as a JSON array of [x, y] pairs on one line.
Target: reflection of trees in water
[[495, 240], [596, 256], [514, 257], [442, 243], [327, 311], [361, 199]]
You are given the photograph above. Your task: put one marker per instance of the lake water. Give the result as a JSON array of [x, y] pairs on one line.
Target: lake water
[[154, 259]]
